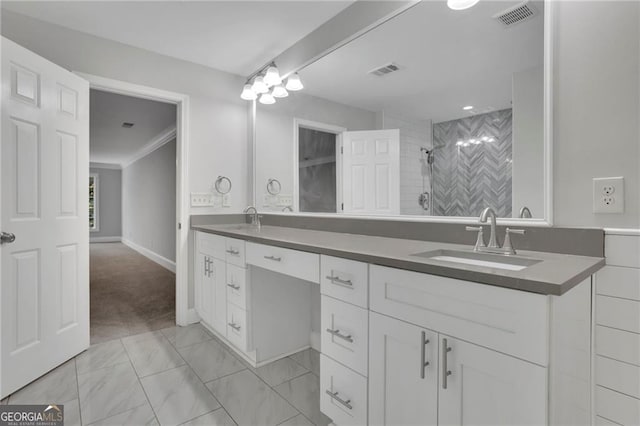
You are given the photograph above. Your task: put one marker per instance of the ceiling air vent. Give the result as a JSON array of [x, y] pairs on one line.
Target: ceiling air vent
[[516, 14], [127, 125], [385, 69]]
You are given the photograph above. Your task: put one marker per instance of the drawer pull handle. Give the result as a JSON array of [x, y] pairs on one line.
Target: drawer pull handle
[[334, 395], [340, 281], [423, 363], [235, 287], [234, 326], [445, 370], [340, 335], [233, 252], [274, 258]]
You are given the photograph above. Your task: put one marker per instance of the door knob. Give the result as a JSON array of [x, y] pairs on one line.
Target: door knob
[[7, 237]]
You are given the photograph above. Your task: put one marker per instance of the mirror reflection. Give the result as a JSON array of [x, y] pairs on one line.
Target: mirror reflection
[[435, 112]]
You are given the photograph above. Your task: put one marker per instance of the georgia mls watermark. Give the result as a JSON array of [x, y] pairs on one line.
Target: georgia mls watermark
[[32, 415]]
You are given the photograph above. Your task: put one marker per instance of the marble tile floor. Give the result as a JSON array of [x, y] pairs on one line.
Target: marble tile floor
[[179, 376]]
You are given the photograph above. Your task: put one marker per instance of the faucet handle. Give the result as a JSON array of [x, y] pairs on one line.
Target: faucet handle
[[508, 246], [480, 239]]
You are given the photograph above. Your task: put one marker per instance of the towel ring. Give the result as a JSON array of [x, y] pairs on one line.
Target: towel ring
[[273, 186], [223, 185]]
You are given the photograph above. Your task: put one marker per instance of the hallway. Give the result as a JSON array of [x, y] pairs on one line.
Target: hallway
[[129, 293]]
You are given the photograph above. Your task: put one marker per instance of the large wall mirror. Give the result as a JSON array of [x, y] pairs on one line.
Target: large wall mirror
[[435, 112]]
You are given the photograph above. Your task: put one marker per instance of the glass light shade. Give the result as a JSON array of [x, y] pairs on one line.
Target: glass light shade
[[272, 76], [294, 83], [279, 91], [267, 99], [259, 85], [248, 94], [461, 4]]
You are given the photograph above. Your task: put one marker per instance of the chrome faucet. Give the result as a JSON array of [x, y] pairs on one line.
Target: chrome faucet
[[255, 218], [489, 213], [525, 213], [493, 246]]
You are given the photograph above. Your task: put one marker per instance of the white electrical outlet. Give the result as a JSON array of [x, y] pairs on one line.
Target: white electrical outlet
[[201, 199], [285, 200], [608, 195], [226, 200]]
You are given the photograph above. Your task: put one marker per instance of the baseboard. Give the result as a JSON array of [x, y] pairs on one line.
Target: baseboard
[[162, 261], [105, 239], [192, 316], [315, 340]]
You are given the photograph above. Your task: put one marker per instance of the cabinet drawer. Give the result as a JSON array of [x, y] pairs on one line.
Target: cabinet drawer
[[345, 333], [343, 393], [294, 263], [617, 344], [619, 376], [619, 282], [619, 408], [234, 252], [502, 319], [237, 286], [618, 313], [345, 279], [237, 324], [210, 244]]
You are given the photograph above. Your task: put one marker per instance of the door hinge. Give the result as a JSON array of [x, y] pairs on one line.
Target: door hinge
[[179, 225], [342, 206], [341, 150]]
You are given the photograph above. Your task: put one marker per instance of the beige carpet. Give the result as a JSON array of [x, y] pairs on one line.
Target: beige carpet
[[130, 294]]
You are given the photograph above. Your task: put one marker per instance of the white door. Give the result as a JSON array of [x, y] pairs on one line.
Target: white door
[[44, 192], [371, 172], [403, 390], [489, 388]]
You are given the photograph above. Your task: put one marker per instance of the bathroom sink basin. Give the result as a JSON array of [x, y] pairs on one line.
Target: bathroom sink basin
[[487, 260]]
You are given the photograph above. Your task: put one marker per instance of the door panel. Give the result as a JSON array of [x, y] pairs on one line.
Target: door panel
[[44, 177]]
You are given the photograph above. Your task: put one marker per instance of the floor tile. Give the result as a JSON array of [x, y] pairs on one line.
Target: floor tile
[[280, 371], [210, 360], [298, 420], [56, 387], [214, 418], [250, 401], [109, 391], [304, 394], [178, 395], [142, 415], [104, 331], [309, 359], [100, 356], [186, 336], [72, 413], [151, 353]]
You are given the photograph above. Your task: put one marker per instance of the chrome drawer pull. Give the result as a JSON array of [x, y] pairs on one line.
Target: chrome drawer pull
[[340, 281], [423, 362], [235, 287], [234, 326], [445, 370], [275, 258], [334, 395], [233, 252], [340, 335]]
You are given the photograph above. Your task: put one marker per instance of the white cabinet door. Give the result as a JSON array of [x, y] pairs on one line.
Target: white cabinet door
[[371, 172], [485, 387], [219, 293], [44, 202], [204, 288], [402, 389]]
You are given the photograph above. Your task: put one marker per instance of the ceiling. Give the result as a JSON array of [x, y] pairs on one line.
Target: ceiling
[[448, 59], [234, 36], [109, 142]]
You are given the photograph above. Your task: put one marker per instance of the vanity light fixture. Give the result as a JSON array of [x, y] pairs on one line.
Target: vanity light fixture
[[272, 76], [461, 4], [279, 91], [248, 94], [267, 99], [266, 85], [259, 86], [294, 83]]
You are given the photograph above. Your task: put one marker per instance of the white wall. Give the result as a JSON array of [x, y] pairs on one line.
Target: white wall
[[149, 202], [109, 203], [596, 108]]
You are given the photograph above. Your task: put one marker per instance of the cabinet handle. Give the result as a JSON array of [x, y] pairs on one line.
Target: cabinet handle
[[234, 326], [207, 266], [235, 287], [210, 268], [274, 258], [423, 344], [340, 281], [334, 396], [445, 371], [340, 335], [233, 252]]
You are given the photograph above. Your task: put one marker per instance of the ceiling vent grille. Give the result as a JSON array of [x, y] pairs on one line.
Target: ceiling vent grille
[[127, 125], [385, 69], [516, 14]]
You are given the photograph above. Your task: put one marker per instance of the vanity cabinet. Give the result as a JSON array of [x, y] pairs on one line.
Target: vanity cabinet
[[210, 279]]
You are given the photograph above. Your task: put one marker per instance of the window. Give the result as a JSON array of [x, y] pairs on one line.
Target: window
[[93, 202]]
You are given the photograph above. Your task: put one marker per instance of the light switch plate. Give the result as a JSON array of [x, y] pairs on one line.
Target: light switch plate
[[608, 195], [226, 200], [285, 200], [201, 199]]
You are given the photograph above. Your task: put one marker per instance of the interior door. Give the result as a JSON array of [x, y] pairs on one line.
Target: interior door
[[44, 192], [371, 172]]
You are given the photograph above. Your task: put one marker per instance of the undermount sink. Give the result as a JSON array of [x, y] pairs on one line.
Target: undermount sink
[[487, 260]]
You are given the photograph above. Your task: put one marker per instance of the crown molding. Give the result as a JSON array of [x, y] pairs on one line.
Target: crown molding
[[112, 166], [161, 139]]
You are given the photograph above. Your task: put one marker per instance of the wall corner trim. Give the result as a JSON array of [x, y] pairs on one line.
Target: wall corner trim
[[155, 257], [158, 141], [105, 239]]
